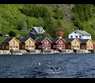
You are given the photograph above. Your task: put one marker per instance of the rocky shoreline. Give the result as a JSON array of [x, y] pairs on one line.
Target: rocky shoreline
[[24, 52]]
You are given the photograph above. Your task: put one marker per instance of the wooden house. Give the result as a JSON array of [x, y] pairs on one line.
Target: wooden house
[[86, 44], [43, 43], [10, 44], [58, 43], [27, 44], [36, 31], [80, 34], [73, 44]]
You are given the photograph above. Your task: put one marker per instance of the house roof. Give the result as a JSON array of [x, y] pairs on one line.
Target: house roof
[[69, 40], [83, 40], [82, 32], [40, 39], [22, 40], [38, 30], [7, 40], [54, 40]]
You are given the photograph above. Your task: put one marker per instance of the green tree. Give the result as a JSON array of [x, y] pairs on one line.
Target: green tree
[[59, 14], [40, 21], [12, 34], [51, 27], [22, 25]]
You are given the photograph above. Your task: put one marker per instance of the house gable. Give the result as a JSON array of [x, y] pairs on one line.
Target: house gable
[[46, 39], [43, 43], [89, 45], [27, 43], [86, 44], [30, 40], [73, 43], [14, 39], [89, 42], [58, 43]]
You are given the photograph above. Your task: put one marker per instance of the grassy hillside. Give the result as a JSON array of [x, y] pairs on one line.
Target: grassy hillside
[[20, 18]]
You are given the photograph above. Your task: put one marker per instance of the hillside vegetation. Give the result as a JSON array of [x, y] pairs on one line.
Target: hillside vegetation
[[20, 18]]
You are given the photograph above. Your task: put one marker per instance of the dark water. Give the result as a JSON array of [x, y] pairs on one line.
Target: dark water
[[26, 66]]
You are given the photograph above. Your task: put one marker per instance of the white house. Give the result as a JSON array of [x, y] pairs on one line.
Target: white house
[[80, 34]]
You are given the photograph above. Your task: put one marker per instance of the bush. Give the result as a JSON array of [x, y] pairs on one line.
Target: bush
[[12, 34]]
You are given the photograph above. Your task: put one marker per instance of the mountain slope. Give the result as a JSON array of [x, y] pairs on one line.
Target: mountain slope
[[20, 18]]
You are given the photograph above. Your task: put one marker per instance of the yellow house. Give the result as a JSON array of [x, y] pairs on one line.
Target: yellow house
[[27, 44], [10, 44], [86, 44], [73, 44]]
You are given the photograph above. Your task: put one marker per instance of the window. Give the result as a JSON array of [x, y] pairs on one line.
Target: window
[[80, 36], [60, 42], [46, 42], [26, 46], [29, 42], [91, 46], [32, 46], [77, 46], [10, 46], [14, 42], [71, 36], [75, 32], [16, 46], [76, 36], [48, 46]]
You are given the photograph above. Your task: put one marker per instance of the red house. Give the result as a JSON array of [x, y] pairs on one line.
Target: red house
[[58, 44], [43, 43]]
